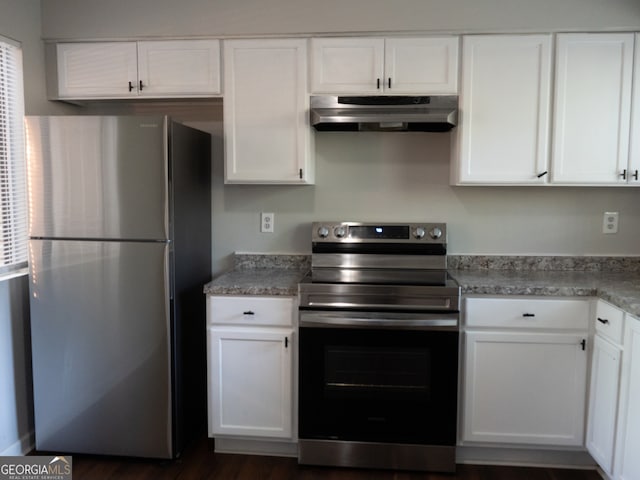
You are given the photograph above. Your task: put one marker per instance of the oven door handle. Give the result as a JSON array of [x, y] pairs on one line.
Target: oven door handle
[[324, 320]]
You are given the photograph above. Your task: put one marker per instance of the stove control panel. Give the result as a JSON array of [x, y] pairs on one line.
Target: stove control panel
[[357, 232]]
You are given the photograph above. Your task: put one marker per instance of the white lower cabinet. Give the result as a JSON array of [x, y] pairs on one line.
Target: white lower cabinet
[[525, 371], [627, 458], [603, 402], [250, 346], [604, 386]]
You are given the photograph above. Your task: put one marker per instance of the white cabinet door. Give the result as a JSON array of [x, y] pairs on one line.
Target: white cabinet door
[[373, 66], [414, 65], [250, 381], [161, 69], [179, 68], [628, 439], [633, 176], [97, 70], [603, 402], [347, 65], [524, 388], [266, 112], [504, 110], [592, 108]]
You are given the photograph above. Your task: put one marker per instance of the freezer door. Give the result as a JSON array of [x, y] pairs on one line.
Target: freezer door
[[101, 347], [97, 177]]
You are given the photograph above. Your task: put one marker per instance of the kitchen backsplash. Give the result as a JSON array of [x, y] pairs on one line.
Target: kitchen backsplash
[[247, 261], [544, 263]]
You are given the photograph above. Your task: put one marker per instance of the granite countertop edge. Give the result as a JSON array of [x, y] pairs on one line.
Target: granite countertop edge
[[621, 289]]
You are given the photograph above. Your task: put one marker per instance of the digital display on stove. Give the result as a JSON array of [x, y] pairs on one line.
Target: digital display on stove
[[399, 232]]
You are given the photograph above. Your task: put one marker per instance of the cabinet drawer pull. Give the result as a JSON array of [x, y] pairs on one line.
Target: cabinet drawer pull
[[624, 174], [543, 174], [378, 83], [583, 344], [635, 175], [603, 320], [286, 342], [528, 314], [248, 312], [141, 85], [131, 87], [389, 82]]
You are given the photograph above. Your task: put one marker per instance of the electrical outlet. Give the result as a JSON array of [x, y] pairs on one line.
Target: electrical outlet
[[266, 222], [610, 222]]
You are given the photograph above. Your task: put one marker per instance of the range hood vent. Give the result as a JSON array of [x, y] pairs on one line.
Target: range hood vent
[[384, 113]]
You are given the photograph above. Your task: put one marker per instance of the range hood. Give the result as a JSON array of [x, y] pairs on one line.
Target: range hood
[[384, 113]]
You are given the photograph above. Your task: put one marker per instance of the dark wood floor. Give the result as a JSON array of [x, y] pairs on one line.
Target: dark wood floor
[[198, 462]]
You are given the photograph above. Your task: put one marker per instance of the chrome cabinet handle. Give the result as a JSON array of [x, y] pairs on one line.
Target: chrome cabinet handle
[[389, 83], [528, 314], [141, 86], [378, 83], [604, 321], [248, 312], [131, 87], [624, 174], [543, 174], [635, 175]]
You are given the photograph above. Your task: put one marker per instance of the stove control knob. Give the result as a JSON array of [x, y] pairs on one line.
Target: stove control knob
[[435, 233], [419, 233], [340, 232], [323, 232]]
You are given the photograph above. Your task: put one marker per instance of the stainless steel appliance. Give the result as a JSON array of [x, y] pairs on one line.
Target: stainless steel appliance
[[379, 327], [384, 113], [120, 246]]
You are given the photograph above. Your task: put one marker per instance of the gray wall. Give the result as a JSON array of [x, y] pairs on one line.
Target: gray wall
[[16, 399], [115, 18], [379, 176]]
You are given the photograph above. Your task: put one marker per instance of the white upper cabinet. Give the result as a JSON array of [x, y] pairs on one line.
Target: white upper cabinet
[[633, 172], [592, 108], [374, 66], [96, 70], [503, 133], [179, 67], [159, 69], [266, 112]]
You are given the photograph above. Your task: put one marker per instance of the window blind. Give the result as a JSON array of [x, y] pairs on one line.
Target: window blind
[[13, 197]]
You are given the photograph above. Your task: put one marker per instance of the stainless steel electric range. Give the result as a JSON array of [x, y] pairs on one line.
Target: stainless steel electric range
[[379, 328]]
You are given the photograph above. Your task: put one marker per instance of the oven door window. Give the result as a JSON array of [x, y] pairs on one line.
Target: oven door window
[[378, 385], [352, 372]]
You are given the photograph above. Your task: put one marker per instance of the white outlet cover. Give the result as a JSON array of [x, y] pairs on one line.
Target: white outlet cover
[[266, 222], [610, 223]]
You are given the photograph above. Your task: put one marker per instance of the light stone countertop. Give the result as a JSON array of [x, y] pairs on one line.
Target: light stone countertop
[[621, 289], [261, 274], [256, 274], [258, 281]]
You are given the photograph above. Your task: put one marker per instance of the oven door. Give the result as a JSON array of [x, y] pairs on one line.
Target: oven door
[[372, 377]]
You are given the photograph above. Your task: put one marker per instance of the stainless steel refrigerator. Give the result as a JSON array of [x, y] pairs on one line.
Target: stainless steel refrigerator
[[119, 249]]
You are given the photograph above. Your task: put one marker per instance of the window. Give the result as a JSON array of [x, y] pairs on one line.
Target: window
[[13, 198]]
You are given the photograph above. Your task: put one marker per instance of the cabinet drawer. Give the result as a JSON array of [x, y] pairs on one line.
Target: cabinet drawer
[[609, 321], [527, 313], [247, 310]]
